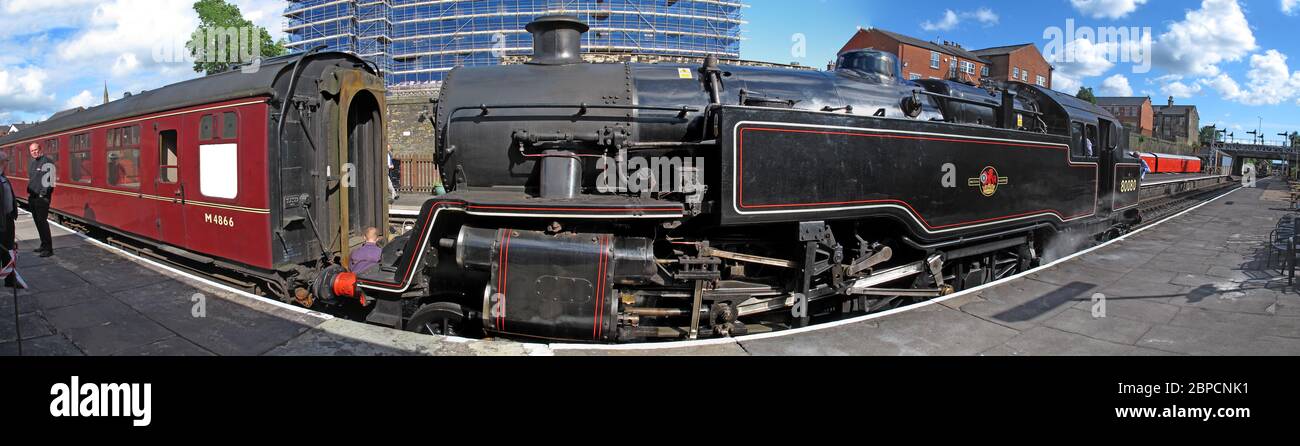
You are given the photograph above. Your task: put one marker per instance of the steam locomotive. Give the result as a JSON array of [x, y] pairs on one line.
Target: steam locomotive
[[624, 202]]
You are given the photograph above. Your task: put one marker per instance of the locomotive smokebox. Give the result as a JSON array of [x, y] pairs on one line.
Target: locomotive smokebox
[[557, 40]]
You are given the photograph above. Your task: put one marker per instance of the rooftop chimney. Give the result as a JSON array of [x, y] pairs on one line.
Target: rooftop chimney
[[557, 40], [1171, 101]]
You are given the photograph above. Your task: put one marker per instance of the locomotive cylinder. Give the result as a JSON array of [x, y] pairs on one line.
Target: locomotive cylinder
[[632, 258]]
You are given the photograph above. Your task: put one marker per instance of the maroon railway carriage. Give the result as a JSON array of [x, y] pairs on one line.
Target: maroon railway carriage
[[204, 170]]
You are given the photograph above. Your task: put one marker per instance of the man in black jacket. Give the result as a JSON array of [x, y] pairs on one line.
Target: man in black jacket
[[40, 188], [8, 232]]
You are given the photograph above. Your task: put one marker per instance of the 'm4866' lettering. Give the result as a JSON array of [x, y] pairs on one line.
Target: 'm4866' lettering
[[219, 220]]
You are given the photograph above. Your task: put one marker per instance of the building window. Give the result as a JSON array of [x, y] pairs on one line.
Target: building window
[[219, 170], [79, 158], [934, 60], [124, 157], [913, 76], [1042, 81], [1015, 73], [967, 67], [984, 71]]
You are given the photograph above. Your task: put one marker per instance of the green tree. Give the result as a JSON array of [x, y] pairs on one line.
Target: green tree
[[217, 17], [1085, 93], [1208, 134]]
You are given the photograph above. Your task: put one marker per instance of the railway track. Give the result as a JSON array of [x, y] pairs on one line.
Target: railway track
[[1163, 199]]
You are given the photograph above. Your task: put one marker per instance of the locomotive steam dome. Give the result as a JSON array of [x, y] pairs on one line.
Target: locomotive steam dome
[[557, 39]]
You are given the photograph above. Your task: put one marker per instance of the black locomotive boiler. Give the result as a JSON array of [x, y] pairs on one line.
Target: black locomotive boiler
[[622, 202]]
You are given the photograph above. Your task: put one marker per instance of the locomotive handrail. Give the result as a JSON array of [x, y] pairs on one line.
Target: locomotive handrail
[[582, 108]]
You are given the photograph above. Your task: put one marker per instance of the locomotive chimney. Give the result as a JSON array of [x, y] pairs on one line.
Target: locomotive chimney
[[557, 40]]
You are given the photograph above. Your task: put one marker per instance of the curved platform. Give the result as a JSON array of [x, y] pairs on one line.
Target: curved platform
[[1194, 284]]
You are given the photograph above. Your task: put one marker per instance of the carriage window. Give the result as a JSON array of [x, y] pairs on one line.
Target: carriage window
[[167, 161], [124, 157], [205, 127], [229, 125], [218, 170], [9, 165], [79, 158], [51, 149]]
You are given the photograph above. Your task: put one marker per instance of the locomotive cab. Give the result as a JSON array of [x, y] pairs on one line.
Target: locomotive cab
[[872, 65]]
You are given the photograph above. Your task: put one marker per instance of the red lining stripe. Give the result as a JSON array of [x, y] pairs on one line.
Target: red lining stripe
[[740, 184]]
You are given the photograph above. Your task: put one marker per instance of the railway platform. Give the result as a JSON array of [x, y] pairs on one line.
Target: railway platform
[[1196, 284], [93, 299]]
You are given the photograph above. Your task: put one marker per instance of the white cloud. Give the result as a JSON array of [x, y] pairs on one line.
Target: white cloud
[[23, 89], [985, 16], [42, 15], [1269, 81], [1178, 89], [948, 22], [1065, 83], [1111, 9], [1116, 85], [264, 13], [1079, 60], [952, 18], [1290, 6], [84, 99], [1218, 32]]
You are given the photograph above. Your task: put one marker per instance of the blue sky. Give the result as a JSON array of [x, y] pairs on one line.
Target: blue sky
[[1236, 60], [1231, 58]]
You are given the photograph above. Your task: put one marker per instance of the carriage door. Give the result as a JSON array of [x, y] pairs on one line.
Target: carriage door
[[167, 183]]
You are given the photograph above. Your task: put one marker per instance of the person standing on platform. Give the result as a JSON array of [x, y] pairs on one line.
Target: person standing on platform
[[393, 173], [40, 190]]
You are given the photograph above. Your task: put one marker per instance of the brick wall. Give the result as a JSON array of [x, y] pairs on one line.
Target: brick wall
[[408, 133]]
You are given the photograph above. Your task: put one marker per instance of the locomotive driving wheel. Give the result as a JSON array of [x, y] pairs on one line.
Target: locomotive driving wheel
[[441, 319]]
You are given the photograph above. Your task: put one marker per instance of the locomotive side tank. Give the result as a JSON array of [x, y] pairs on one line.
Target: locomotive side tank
[[621, 202]]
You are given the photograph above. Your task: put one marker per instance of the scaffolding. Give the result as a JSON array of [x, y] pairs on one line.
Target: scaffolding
[[417, 41]]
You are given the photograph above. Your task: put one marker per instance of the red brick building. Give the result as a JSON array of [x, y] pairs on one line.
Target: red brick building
[[921, 59], [1023, 63], [1136, 114]]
